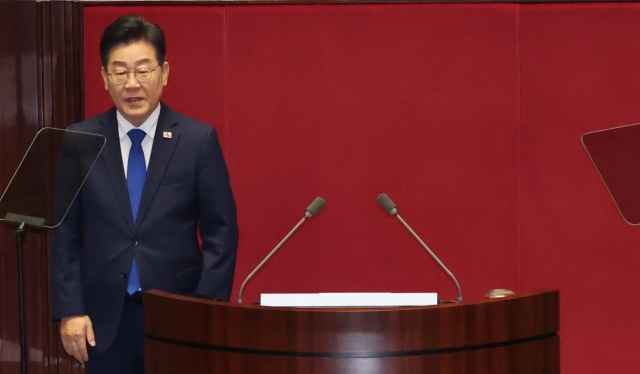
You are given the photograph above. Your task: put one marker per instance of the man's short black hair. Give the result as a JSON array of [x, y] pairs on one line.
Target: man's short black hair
[[131, 28]]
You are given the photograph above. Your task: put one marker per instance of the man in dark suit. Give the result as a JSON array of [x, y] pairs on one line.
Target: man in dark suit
[[160, 180]]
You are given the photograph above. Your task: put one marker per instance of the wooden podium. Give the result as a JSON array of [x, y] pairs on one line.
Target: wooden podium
[[513, 335]]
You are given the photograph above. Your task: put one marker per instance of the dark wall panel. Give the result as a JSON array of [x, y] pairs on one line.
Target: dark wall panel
[[40, 74], [18, 125]]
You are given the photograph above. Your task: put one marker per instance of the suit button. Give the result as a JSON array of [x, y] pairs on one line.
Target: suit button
[[123, 275], [135, 244]]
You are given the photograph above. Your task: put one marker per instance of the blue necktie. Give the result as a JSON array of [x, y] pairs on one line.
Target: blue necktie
[[136, 173]]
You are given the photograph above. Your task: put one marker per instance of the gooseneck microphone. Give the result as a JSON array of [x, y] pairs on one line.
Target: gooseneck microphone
[[313, 209], [388, 205]]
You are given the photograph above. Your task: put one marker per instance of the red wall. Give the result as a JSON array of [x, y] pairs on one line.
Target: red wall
[[468, 115], [579, 73]]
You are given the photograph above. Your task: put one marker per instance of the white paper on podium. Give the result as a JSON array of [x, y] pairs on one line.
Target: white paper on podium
[[348, 299]]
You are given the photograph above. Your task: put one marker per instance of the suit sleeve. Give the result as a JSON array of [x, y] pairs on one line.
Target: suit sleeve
[[67, 295], [218, 221]]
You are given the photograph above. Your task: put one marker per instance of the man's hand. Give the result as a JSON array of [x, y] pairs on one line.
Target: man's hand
[[75, 333]]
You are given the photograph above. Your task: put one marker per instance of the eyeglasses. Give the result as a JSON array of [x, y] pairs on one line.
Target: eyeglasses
[[142, 74]]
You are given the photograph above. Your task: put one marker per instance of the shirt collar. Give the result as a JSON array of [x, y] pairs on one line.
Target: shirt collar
[[149, 126]]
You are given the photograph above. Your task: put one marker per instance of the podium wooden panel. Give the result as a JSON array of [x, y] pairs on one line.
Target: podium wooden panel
[[513, 335]]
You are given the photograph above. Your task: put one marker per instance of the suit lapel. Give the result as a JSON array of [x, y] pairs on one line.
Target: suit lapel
[[160, 156], [112, 156]]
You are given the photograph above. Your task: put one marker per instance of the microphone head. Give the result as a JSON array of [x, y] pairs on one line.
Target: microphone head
[[315, 207], [386, 204]]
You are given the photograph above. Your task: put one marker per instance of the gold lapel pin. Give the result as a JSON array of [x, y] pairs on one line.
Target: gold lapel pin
[[166, 134]]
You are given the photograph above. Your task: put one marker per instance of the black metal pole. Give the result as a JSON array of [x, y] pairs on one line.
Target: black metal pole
[[23, 335]]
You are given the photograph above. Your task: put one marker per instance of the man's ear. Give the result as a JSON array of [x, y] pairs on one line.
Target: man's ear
[[105, 78], [165, 73]]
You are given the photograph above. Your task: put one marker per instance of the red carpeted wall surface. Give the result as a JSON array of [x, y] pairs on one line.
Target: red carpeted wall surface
[[469, 116]]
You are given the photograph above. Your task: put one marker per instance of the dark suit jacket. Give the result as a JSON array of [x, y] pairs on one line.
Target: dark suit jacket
[[186, 192]]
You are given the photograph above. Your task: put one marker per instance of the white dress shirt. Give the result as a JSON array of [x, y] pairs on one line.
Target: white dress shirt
[[149, 127]]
